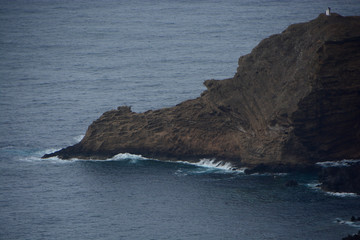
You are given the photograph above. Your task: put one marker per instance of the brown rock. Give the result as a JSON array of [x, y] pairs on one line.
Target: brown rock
[[294, 100]]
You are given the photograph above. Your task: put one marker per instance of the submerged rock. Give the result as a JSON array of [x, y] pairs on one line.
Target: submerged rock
[[294, 100]]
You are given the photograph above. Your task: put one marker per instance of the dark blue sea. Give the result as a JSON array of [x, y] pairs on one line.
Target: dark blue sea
[[64, 63]]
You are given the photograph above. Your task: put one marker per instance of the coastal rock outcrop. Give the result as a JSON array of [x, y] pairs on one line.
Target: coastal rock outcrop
[[294, 101], [341, 179]]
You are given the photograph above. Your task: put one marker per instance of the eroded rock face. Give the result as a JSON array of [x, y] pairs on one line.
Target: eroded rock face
[[294, 100]]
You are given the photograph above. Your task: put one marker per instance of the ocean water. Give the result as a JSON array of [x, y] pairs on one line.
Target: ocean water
[[64, 63]]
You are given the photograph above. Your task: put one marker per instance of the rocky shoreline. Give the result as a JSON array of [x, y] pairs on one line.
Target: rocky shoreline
[[294, 101]]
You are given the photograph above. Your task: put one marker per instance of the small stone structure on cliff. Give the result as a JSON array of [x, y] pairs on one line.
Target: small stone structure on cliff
[[327, 12]]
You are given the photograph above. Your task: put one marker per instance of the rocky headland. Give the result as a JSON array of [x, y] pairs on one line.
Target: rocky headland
[[294, 101]]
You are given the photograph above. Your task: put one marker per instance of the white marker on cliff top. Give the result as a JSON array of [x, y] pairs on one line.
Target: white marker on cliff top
[[327, 12]]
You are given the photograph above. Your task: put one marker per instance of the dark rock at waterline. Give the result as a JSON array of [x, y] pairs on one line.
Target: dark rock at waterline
[[266, 168], [261, 168], [294, 100], [291, 183], [341, 178], [281, 168], [353, 237]]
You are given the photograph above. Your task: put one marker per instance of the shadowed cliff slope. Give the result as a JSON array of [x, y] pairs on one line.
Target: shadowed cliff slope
[[294, 100]]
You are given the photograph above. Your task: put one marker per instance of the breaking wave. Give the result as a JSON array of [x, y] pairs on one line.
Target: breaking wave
[[342, 194], [355, 224], [36, 157], [316, 186], [79, 138], [342, 163], [126, 156], [202, 166], [212, 165]]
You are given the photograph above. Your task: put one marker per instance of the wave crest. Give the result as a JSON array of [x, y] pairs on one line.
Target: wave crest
[[342, 163], [349, 223], [210, 165], [213, 163]]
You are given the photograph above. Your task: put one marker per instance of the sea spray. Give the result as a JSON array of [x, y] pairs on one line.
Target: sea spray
[[316, 187], [79, 138], [127, 156], [350, 223], [211, 165], [341, 163], [36, 156]]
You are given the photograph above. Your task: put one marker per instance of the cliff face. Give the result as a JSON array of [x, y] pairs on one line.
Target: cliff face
[[294, 100]]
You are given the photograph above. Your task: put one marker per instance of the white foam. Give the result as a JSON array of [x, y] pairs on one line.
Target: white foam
[[349, 223], [213, 164], [118, 157], [181, 172], [316, 186], [342, 163], [36, 157], [79, 138], [127, 156], [342, 194]]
